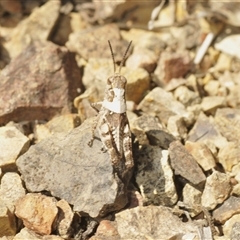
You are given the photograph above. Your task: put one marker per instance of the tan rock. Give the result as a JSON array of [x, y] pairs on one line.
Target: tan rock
[[7, 221], [223, 63], [14, 144], [227, 227], [202, 154], [217, 189], [11, 189], [212, 87], [177, 127], [37, 212], [211, 103]]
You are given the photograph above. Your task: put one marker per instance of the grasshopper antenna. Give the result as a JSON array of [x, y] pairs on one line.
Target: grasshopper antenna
[[124, 57], [114, 63]]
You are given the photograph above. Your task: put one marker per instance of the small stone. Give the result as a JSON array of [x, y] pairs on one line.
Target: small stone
[[132, 225], [11, 189], [59, 124], [64, 219], [37, 211], [202, 154], [14, 144], [184, 164], [212, 87], [142, 58], [7, 221], [229, 208], [172, 65], [228, 226], [177, 127], [223, 63], [236, 190], [235, 233], [212, 103], [217, 189], [162, 104], [37, 27], [155, 177], [192, 200], [186, 96]]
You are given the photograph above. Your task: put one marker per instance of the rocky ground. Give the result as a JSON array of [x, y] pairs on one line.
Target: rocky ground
[[183, 98]]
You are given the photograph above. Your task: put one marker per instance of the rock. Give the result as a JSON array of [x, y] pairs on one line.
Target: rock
[[37, 27], [184, 164], [132, 225], [142, 58], [37, 211], [174, 83], [14, 144], [212, 103], [177, 127], [7, 221], [186, 96], [228, 226], [97, 71], [217, 189], [155, 177], [56, 80], [161, 104], [172, 65], [11, 189], [212, 87], [223, 63], [202, 154], [229, 208], [235, 233], [87, 44], [192, 200], [229, 45], [236, 190], [59, 124], [106, 231], [26, 233], [205, 130], [135, 199], [233, 98], [64, 219], [148, 130], [12, 6], [54, 165]]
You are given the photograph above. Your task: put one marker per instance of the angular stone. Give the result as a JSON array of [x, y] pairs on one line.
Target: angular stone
[[54, 165], [155, 177], [228, 226], [235, 233], [7, 221], [212, 103], [11, 189], [172, 65], [162, 104], [217, 189], [86, 42], [184, 164], [44, 80], [192, 200], [148, 130], [212, 87], [223, 63], [37, 27], [59, 124], [132, 225], [14, 144], [229, 208], [202, 154], [97, 71], [37, 211], [64, 219], [142, 58], [205, 130], [177, 127]]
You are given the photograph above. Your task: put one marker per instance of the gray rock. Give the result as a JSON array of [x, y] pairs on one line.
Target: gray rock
[[235, 233], [152, 222], [155, 177], [67, 167], [14, 144], [184, 164]]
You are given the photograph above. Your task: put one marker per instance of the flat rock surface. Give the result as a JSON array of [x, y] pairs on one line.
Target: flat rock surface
[[43, 80], [67, 167]]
